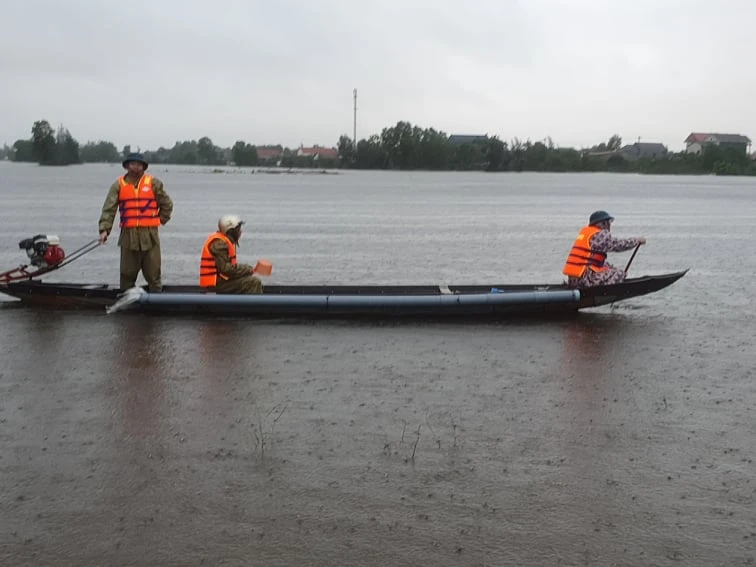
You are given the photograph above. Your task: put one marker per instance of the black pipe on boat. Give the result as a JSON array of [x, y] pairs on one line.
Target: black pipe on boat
[[305, 304]]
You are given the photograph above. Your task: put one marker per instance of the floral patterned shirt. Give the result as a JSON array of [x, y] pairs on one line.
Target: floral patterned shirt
[[604, 242]]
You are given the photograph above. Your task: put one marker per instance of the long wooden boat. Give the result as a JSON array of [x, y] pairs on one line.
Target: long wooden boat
[[474, 302]]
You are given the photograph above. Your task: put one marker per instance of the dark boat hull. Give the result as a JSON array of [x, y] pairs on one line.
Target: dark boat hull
[[385, 302]]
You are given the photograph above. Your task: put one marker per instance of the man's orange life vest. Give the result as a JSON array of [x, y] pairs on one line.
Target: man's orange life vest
[[209, 273], [581, 256], [138, 205]]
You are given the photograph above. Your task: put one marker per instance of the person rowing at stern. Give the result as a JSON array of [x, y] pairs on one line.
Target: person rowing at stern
[[586, 264]]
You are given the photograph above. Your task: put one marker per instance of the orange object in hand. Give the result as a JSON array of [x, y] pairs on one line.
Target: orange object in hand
[[263, 267]]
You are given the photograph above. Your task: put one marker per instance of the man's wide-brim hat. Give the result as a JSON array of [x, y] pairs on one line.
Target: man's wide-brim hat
[[600, 216], [134, 157]]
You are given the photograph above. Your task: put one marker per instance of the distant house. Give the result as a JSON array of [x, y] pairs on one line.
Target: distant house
[[643, 150], [696, 141], [267, 155], [318, 152], [753, 156], [459, 139]]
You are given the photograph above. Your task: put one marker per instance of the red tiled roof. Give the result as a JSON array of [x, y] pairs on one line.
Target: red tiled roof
[[268, 153], [701, 137], [696, 137], [319, 151], [328, 153]]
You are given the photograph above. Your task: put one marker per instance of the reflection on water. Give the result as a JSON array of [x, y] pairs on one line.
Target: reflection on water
[[140, 371], [589, 344], [47, 338], [597, 362], [180, 380], [177, 392], [223, 345], [220, 357]]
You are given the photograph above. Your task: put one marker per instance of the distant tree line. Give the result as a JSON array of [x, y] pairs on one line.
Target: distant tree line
[[47, 146], [400, 147], [408, 147], [713, 159]]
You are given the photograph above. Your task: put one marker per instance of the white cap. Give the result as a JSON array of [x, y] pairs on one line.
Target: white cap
[[227, 222]]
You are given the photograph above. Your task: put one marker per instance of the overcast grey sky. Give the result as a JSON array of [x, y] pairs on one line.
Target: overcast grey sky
[[148, 73]]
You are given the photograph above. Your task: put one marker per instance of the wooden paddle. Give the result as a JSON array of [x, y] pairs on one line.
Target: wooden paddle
[[631, 258]]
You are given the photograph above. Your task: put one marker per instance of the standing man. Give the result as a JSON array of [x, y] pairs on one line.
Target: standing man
[[143, 205]]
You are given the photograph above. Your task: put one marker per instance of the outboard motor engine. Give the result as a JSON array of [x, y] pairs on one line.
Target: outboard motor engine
[[43, 250]]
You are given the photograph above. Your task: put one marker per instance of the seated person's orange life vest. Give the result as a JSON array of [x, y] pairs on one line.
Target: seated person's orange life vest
[[582, 257], [209, 273]]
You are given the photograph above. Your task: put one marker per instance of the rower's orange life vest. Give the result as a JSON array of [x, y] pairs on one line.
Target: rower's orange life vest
[[209, 273], [138, 205], [581, 257]]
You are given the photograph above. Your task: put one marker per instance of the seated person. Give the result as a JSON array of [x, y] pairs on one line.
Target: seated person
[[586, 264], [219, 270]]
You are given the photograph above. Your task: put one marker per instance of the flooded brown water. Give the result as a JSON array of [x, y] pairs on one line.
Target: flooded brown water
[[623, 437]]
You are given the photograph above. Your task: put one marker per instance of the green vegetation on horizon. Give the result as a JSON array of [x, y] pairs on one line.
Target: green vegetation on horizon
[[46, 146], [399, 147]]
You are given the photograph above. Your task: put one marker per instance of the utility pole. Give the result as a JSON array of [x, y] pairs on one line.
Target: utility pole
[[354, 139]]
